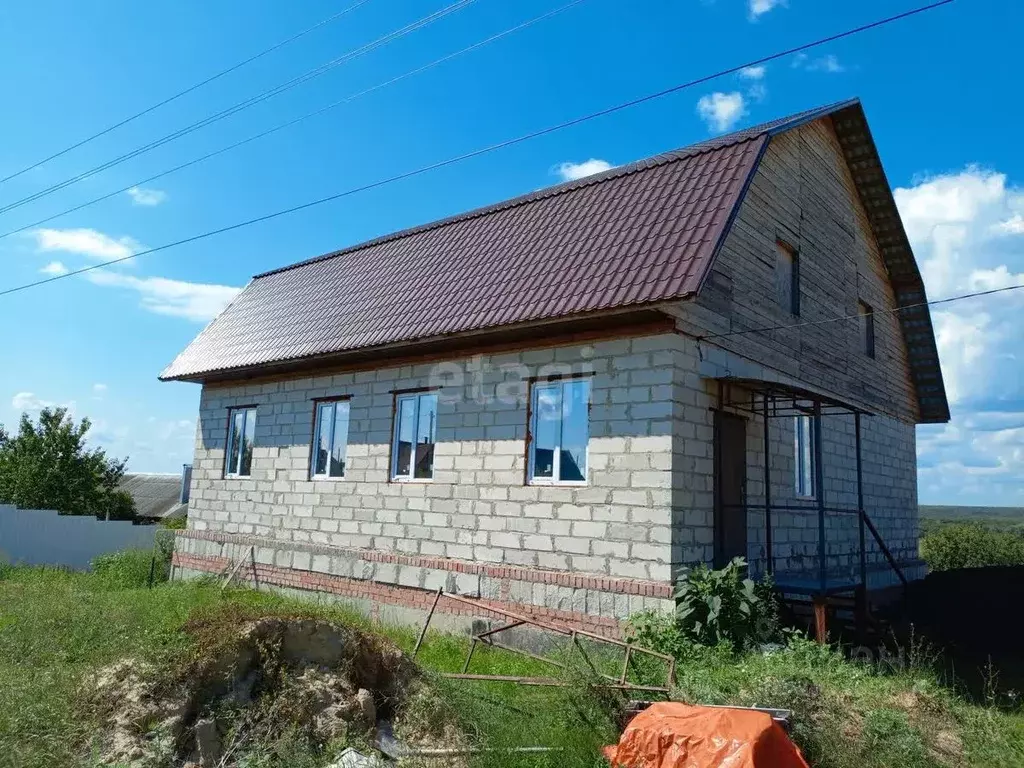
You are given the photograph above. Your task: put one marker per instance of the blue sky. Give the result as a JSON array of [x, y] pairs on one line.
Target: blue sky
[[938, 90]]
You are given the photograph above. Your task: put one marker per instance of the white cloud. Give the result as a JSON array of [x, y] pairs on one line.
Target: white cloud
[[27, 401], [721, 111], [32, 403], [1012, 226], [147, 197], [753, 73], [55, 269], [86, 242], [760, 7], [194, 301], [828, 63], [99, 388], [574, 171], [954, 222]]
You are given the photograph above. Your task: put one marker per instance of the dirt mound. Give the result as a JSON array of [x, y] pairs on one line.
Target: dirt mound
[[322, 680]]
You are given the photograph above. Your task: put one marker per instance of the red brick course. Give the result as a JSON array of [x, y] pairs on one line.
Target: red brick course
[[512, 572], [391, 594]]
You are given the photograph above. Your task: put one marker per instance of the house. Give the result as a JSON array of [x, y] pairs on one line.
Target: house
[[556, 402], [158, 497]]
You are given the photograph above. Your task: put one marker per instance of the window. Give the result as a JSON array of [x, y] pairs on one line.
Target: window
[[560, 430], [330, 439], [787, 277], [412, 450], [241, 437], [803, 454], [867, 328]]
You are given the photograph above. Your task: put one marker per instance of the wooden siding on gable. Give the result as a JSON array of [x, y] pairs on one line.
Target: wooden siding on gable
[[804, 196]]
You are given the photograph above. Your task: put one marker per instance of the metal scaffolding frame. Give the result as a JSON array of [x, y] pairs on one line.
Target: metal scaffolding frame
[[773, 400]]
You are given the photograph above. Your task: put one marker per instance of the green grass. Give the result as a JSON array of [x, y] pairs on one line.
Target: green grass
[[57, 627]]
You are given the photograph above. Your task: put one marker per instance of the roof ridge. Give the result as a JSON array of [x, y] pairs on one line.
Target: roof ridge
[[671, 156]]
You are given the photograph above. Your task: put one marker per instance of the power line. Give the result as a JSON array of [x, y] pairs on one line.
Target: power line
[[187, 91], [257, 99], [308, 115], [484, 150], [858, 316]]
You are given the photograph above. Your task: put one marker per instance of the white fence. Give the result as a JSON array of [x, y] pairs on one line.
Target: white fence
[[42, 537]]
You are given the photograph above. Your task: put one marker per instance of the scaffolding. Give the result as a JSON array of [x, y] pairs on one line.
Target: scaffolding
[[773, 400]]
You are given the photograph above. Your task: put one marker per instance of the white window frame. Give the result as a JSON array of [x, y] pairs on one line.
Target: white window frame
[[804, 457], [321, 406], [399, 399], [232, 462], [538, 387]]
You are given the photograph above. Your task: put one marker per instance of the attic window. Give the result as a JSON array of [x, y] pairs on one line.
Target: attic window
[[787, 277], [867, 328]]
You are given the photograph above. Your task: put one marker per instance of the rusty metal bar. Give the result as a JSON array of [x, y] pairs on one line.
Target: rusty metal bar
[[426, 623], [551, 682], [885, 550], [255, 576], [625, 664], [469, 656], [234, 572], [536, 656], [496, 630], [555, 628]]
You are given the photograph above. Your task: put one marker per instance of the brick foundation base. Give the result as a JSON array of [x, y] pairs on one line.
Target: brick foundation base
[[400, 589]]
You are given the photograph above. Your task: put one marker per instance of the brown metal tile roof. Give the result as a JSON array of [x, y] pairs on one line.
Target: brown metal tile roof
[[636, 235]]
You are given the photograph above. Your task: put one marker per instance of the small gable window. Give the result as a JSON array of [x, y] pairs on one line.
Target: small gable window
[[867, 328], [560, 431], [241, 438], [330, 439], [787, 277]]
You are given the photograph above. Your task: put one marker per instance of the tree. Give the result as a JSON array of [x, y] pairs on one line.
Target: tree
[[49, 466]]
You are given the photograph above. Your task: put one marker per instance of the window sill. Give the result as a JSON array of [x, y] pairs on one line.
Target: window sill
[[412, 480], [326, 478], [236, 477], [559, 483]]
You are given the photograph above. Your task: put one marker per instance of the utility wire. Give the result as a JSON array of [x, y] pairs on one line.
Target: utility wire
[[187, 91], [858, 316], [290, 123], [483, 150], [257, 99]]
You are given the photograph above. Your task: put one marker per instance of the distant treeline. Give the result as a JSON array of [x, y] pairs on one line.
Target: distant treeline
[[971, 537]]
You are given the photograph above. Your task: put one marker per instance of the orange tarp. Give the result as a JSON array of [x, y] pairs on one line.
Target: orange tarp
[[674, 735]]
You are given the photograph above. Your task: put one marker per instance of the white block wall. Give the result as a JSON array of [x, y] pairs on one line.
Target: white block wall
[[648, 507], [477, 507]]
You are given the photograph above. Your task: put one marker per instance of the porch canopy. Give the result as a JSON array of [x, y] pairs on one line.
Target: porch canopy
[[770, 400]]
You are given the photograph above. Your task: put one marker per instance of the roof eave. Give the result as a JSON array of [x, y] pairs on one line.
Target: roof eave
[[613, 322]]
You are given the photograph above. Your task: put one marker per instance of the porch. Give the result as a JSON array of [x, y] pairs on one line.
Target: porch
[[780, 503]]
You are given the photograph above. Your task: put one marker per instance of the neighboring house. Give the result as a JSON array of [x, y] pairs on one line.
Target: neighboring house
[[558, 401], [157, 496]]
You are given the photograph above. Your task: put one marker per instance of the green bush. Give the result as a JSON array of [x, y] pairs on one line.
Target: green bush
[[713, 607], [971, 545], [175, 523], [721, 606]]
